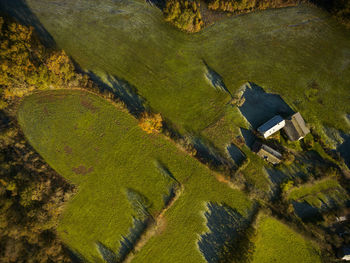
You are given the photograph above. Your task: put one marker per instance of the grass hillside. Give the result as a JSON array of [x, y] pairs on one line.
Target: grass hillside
[[276, 242], [285, 51], [102, 149], [324, 192]]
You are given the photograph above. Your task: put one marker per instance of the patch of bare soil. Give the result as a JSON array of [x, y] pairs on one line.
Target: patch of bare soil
[[86, 103], [46, 112], [67, 149], [51, 98], [81, 169]]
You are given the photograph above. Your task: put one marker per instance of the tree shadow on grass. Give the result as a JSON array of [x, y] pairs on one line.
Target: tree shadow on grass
[[215, 79], [344, 149], [123, 90], [306, 212], [127, 243], [249, 137], [228, 238], [19, 10], [260, 106], [236, 154], [75, 256], [158, 3], [106, 253], [208, 154]]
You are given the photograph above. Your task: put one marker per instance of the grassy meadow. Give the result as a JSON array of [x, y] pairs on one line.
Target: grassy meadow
[[325, 191], [276, 242], [299, 53], [284, 51], [101, 148]]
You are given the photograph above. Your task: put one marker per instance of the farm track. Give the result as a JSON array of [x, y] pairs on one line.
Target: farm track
[[156, 227]]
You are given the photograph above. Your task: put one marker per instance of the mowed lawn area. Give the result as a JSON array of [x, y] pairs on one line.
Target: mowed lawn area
[[284, 51], [100, 148], [276, 242]]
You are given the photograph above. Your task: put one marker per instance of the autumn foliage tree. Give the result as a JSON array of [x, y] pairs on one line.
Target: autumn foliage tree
[[31, 193], [184, 14], [26, 65], [151, 123], [244, 6]]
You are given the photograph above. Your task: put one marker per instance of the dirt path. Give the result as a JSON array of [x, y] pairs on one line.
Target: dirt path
[[156, 227]]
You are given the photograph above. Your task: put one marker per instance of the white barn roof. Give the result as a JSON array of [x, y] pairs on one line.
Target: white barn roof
[[272, 126]]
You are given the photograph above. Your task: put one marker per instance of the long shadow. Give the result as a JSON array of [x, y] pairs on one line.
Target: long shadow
[[260, 106], [306, 212], [215, 79], [106, 253], [207, 154], [123, 90], [158, 3], [127, 243], [227, 234], [344, 149], [75, 256], [236, 154], [20, 11], [249, 137]]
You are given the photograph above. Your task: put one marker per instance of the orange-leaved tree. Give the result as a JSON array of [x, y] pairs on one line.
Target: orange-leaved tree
[[151, 122]]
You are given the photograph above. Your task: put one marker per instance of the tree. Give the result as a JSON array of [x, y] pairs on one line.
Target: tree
[[184, 14], [151, 123]]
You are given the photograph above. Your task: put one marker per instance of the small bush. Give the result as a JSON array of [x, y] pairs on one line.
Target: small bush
[[151, 123]]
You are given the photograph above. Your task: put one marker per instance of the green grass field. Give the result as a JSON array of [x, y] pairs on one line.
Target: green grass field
[[101, 148], [282, 50], [321, 192], [276, 242]]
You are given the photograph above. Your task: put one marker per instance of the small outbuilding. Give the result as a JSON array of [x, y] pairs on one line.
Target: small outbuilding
[[272, 126], [267, 153], [295, 127]]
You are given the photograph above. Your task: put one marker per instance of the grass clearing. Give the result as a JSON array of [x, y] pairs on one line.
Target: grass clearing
[[276, 242], [326, 191], [102, 149], [282, 50]]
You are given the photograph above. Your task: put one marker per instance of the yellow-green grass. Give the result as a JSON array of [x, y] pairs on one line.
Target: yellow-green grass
[[276, 242], [318, 193], [282, 50], [74, 128], [223, 132]]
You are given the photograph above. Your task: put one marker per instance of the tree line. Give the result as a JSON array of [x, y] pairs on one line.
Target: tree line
[[187, 16], [32, 195]]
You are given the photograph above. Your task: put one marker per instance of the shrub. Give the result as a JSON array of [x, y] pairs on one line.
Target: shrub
[[151, 123], [184, 14], [289, 158]]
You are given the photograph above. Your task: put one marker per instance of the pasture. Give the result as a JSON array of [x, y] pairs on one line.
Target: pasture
[[325, 192], [100, 148], [299, 53], [276, 242]]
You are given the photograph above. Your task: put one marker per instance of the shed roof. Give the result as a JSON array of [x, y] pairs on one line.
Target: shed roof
[[270, 123], [267, 153], [295, 127]]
